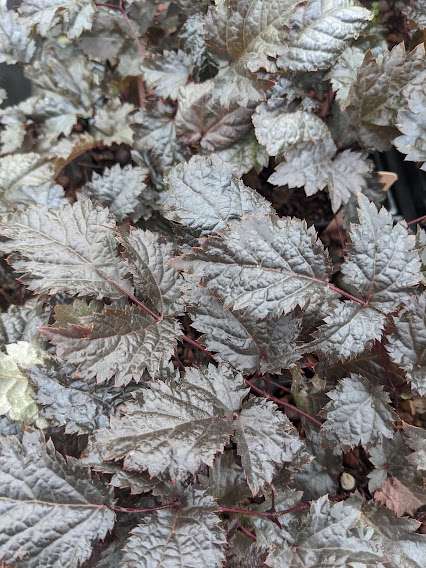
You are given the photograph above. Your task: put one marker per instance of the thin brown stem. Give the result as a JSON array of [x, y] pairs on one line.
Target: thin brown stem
[[284, 404]]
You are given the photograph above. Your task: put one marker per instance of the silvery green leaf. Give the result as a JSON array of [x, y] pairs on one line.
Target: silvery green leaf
[[243, 156], [73, 16], [17, 399], [348, 331], [167, 73], [415, 10], [202, 120], [411, 122], [69, 249], [279, 130], [266, 439], [359, 413], [181, 424], [343, 74], [60, 403], [51, 513], [21, 323], [403, 546], [122, 189], [247, 344], [407, 343], [156, 280], [390, 459], [204, 196], [382, 265], [118, 342], [263, 265], [249, 33], [321, 33], [16, 44], [324, 537], [187, 536]]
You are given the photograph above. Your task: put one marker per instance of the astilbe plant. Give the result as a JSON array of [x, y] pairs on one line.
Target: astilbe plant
[[187, 377]]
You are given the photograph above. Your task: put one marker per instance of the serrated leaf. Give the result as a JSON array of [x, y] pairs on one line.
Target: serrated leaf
[[411, 121], [113, 123], [397, 497], [243, 156], [17, 399], [204, 196], [382, 265], [417, 440], [63, 404], [415, 10], [343, 74], [403, 547], [20, 176], [321, 33], [118, 342], [202, 120], [51, 514], [359, 413], [407, 344], [168, 73], [181, 425], [315, 166], [123, 190], [69, 249], [16, 44], [21, 323], [187, 536], [148, 257], [262, 265], [376, 96], [249, 33], [279, 131], [348, 331], [266, 439], [75, 16], [325, 537], [247, 344]]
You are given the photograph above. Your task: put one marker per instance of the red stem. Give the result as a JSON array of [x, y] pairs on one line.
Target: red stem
[[143, 510], [341, 292], [247, 532], [284, 404], [418, 220]]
